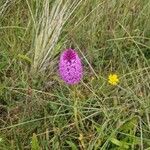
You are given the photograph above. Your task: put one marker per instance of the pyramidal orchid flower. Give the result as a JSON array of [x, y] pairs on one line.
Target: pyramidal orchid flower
[[70, 67]]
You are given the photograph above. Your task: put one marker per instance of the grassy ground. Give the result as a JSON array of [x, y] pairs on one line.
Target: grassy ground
[[39, 111]]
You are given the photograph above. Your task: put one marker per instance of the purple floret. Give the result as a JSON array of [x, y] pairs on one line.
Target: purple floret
[[70, 67]]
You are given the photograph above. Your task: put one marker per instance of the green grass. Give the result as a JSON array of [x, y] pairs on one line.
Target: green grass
[[39, 111]]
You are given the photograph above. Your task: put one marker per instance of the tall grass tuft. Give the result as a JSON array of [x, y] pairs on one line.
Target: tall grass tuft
[[48, 28]]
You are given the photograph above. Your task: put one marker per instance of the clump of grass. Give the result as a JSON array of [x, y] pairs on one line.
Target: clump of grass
[[48, 27]]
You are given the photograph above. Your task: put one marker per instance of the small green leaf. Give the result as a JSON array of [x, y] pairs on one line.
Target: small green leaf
[[72, 145], [35, 143], [130, 124], [1, 139], [24, 57], [119, 143]]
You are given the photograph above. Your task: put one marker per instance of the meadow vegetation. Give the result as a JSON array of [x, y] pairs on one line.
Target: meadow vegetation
[[39, 111]]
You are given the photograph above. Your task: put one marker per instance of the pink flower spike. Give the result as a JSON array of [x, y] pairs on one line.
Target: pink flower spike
[[70, 67]]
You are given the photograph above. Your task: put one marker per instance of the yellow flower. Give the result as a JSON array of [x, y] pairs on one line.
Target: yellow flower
[[113, 79], [81, 137]]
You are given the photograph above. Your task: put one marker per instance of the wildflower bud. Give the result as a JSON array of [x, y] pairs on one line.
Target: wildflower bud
[[70, 67]]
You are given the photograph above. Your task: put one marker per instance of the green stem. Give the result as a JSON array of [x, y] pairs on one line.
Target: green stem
[[75, 108]]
